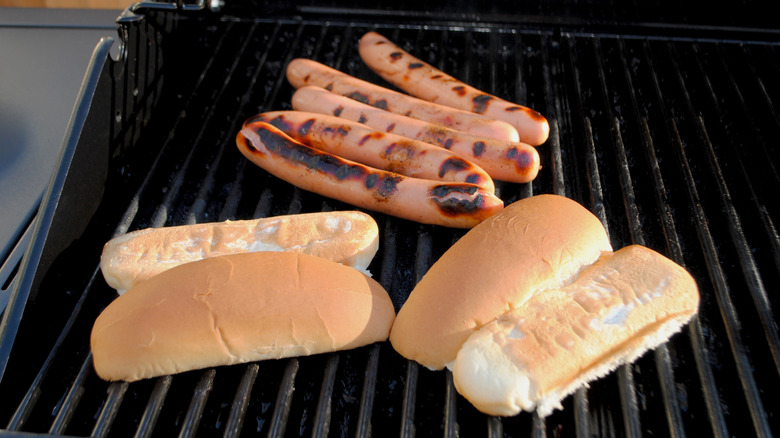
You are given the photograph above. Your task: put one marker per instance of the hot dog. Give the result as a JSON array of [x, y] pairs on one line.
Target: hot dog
[[457, 205], [357, 142], [502, 160], [301, 72], [427, 82]]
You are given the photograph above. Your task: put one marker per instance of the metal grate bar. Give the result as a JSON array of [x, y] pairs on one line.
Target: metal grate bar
[[153, 407], [197, 404], [241, 400], [727, 306], [749, 268], [284, 399], [116, 392]]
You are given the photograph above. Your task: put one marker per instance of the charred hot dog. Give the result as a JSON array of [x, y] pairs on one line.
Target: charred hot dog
[[427, 82], [301, 72], [457, 205], [502, 160], [358, 142]]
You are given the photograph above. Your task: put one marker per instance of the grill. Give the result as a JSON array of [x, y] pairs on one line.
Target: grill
[[666, 128]]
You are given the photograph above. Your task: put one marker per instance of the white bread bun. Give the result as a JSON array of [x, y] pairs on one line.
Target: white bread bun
[[235, 309], [347, 237], [533, 356], [537, 243]]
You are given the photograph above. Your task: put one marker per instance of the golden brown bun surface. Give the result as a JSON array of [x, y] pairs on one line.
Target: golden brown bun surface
[[347, 237], [536, 243], [236, 309]]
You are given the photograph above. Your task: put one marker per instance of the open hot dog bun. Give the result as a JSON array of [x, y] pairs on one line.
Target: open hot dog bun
[[347, 237], [534, 244], [532, 357], [235, 309], [533, 303]]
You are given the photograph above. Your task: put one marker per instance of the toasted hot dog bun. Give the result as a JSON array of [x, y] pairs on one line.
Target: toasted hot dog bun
[[530, 358], [235, 309], [347, 237], [538, 243]]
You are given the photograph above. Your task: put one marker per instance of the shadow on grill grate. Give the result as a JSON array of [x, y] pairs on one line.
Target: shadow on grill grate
[[671, 142]]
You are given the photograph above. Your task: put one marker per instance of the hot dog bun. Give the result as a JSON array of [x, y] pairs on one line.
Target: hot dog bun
[[238, 308], [537, 243], [347, 237], [530, 358]]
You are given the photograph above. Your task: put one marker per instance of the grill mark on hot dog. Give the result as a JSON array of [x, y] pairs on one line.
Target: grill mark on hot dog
[[382, 103], [372, 136], [390, 127], [337, 112], [448, 199], [522, 160], [415, 65], [340, 130], [536, 115], [362, 119], [395, 56], [360, 97], [456, 164], [305, 127], [481, 103], [436, 76], [384, 184], [479, 148], [459, 90]]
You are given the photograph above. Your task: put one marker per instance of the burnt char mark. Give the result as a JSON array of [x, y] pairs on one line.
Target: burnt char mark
[[474, 178], [523, 160], [340, 130], [535, 115], [454, 206], [448, 143], [386, 186], [383, 184], [390, 127], [395, 56], [453, 164], [481, 103], [478, 149], [306, 78], [371, 136], [460, 90], [279, 122], [415, 65], [381, 104], [337, 112], [329, 87], [313, 159], [434, 77], [360, 97], [362, 118], [305, 127]]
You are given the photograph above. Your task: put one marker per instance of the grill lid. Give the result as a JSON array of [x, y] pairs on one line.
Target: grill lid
[[669, 140]]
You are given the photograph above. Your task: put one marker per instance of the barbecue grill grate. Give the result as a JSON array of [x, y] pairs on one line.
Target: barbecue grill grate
[[670, 141]]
